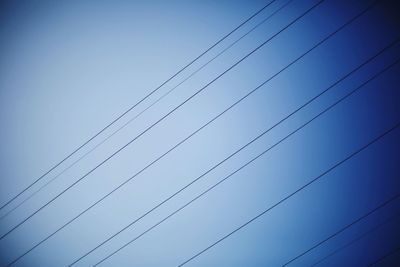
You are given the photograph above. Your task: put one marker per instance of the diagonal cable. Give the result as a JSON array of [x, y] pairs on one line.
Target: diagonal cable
[[243, 166], [161, 119], [299, 189], [358, 238], [135, 105], [395, 197], [143, 111], [176, 193], [387, 255], [219, 115]]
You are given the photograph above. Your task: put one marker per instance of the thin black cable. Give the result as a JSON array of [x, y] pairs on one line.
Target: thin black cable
[[385, 256], [215, 118], [360, 237], [161, 119], [147, 108], [341, 230], [292, 194], [242, 167], [163, 202], [135, 105]]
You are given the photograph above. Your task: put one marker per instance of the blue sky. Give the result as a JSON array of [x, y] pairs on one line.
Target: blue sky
[[69, 68]]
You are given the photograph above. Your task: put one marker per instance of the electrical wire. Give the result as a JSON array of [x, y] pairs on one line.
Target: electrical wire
[[300, 189], [219, 115], [143, 111], [163, 202], [242, 167], [292, 194], [358, 238], [390, 253], [161, 119], [135, 105], [341, 230]]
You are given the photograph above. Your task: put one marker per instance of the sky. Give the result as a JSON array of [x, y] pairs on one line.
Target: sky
[[69, 68]]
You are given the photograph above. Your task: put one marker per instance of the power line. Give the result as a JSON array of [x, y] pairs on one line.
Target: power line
[[147, 108], [237, 170], [215, 118], [356, 239], [135, 105], [385, 256], [395, 197], [290, 195], [161, 119], [173, 195]]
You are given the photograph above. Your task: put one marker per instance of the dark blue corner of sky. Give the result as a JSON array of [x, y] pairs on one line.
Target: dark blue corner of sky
[[200, 133]]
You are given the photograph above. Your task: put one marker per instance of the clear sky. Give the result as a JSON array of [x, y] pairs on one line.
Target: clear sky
[[68, 68]]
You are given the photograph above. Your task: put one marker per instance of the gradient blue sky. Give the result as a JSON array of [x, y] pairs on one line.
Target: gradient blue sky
[[69, 67]]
